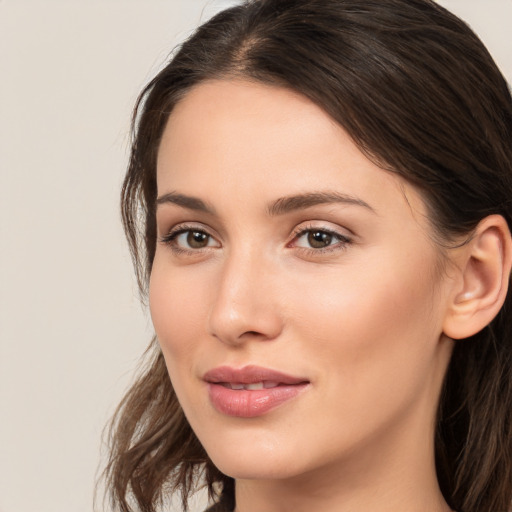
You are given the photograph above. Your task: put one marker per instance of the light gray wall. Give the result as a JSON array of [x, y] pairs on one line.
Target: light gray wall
[[70, 324]]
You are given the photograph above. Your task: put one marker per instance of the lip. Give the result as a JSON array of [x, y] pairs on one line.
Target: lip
[[245, 403]]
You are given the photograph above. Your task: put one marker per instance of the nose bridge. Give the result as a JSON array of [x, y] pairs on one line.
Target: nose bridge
[[244, 306]]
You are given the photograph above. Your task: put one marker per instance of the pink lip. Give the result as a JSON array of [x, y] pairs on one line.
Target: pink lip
[[250, 403]]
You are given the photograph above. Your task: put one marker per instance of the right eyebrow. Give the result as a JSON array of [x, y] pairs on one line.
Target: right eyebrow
[[189, 202]]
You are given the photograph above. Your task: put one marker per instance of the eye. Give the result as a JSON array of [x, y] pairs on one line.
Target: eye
[[189, 239], [318, 239], [194, 239]]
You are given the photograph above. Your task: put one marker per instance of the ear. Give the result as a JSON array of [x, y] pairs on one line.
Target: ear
[[484, 265]]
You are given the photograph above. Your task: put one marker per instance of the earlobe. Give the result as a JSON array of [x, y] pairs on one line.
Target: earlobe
[[485, 275]]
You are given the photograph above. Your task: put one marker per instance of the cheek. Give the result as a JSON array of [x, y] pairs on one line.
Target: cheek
[[178, 305], [373, 327]]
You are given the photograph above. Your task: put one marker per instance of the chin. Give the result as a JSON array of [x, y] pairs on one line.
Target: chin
[[247, 457], [255, 469]]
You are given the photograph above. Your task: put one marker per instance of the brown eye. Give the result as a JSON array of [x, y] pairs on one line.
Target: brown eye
[[186, 239], [319, 239], [197, 239]]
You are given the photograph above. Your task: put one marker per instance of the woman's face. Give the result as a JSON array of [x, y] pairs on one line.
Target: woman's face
[[295, 292]]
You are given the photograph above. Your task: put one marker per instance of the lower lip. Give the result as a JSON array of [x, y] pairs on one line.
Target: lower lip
[[251, 403]]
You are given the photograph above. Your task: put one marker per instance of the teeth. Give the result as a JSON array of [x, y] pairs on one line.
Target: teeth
[[255, 386]]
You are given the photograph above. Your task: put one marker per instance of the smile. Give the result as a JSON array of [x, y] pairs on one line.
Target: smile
[[250, 391]]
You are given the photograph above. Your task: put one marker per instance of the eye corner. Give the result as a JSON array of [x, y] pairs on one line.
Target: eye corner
[[319, 239], [189, 239]]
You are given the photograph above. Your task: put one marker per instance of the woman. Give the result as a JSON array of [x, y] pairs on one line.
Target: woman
[[318, 203]]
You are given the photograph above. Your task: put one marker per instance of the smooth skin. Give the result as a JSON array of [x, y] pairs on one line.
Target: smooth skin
[[342, 285]]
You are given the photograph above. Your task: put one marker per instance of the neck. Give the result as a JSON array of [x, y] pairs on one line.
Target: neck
[[340, 492]]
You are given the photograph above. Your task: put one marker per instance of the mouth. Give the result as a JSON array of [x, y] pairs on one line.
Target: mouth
[[251, 391], [255, 386]]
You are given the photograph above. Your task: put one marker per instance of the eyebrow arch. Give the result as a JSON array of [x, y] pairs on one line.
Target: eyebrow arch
[[190, 202], [301, 201]]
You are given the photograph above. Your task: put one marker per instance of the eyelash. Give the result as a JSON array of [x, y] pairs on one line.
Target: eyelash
[[171, 237], [342, 240]]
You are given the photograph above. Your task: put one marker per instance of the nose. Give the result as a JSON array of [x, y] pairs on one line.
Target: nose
[[245, 305]]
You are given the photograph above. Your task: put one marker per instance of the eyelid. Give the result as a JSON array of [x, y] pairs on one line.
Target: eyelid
[[179, 229], [343, 239]]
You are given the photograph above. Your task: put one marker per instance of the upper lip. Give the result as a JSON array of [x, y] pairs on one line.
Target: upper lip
[[250, 375]]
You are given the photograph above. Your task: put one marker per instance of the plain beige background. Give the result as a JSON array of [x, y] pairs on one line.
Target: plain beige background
[[70, 323]]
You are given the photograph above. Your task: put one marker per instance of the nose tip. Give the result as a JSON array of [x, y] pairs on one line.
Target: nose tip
[[236, 322], [244, 308]]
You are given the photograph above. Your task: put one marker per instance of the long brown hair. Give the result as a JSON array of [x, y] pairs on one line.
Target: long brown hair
[[421, 96]]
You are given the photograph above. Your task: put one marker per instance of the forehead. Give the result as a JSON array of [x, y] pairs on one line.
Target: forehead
[[247, 140]]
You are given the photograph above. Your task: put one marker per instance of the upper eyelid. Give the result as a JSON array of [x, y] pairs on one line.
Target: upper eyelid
[[170, 239], [303, 229], [343, 235], [299, 230], [319, 225], [342, 239], [190, 226]]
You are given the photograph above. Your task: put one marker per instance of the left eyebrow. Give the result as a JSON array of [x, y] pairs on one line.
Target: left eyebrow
[[302, 201]]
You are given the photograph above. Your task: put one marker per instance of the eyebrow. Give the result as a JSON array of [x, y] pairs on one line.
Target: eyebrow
[[189, 202], [302, 201], [280, 206]]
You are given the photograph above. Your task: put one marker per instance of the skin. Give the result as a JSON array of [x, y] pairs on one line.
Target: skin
[[361, 319]]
